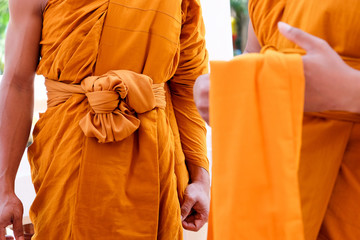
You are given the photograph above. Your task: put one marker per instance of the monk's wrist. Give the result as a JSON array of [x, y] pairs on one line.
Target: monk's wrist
[[6, 187], [353, 98], [6, 182], [198, 174]]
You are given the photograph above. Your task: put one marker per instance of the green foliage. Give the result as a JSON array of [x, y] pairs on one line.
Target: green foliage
[[240, 13], [4, 19], [240, 7], [4, 16]]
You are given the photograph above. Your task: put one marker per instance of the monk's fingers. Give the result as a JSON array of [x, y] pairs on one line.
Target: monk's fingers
[[185, 210], [305, 40], [189, 202], [197, 217], [2, 233], [202, 86], [202, 81], [199, 223], [194, 222], [203, 109], [188, 225], [204, 113], [18, 226]]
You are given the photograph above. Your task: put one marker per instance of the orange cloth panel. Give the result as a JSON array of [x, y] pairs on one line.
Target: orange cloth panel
[[256, 112], [131, 186]]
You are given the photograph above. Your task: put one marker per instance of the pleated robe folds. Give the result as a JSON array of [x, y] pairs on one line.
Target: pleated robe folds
[[105, 180], [278, 173]]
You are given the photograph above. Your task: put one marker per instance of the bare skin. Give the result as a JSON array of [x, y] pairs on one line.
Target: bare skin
[[16, 107], [196, 205], [16, 103], [330, 83]]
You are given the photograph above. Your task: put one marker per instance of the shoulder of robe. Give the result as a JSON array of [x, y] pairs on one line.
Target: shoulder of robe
[[190, 9], [264, 15], [193, 28]]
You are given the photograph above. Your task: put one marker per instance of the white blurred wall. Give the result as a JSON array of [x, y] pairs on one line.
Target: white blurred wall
[[217, 20]]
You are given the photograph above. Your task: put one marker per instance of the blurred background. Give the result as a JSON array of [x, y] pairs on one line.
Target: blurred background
[[239, 24], [4, 18], [226, 33]]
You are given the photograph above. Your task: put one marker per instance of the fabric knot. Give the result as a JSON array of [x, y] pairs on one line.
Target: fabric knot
[[268, 47], [103, 101], [114, 98]]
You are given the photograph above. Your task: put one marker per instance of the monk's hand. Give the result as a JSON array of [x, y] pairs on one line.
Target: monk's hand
[[201, 95], [11, 212], [196, 204], [330, 83]]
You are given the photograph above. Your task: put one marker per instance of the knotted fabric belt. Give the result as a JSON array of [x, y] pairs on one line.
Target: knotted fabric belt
[[114, 99]]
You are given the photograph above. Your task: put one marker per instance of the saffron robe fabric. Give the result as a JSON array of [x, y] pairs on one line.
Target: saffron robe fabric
[[132, 188], [328, 170], [255, 190]]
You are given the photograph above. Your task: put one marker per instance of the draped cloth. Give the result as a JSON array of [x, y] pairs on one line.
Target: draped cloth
[[326, 191], [255, 190], [109, 155]]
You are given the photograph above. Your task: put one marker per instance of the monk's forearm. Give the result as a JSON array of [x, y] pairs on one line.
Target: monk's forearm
[[198, 174], [16, 111], [353, 82]]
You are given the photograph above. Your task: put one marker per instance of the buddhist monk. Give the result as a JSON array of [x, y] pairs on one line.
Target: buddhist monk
[[295, 98], [120, 152]]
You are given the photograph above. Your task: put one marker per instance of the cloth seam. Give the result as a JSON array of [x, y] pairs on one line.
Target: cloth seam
[[147, 10], [151, 33]]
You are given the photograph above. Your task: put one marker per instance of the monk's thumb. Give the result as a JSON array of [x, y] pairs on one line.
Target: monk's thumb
[[186, 207], [301, 38]]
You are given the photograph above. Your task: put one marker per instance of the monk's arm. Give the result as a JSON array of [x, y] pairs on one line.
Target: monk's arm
[[16, 98], [192, 63]]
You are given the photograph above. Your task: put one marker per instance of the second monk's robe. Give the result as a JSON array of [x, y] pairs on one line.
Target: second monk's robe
[[255, 190], [109, 155], [325, 194]]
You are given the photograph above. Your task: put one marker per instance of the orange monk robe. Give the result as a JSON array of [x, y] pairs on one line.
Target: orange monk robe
[[256, 112], [108, 158], [329, 169]]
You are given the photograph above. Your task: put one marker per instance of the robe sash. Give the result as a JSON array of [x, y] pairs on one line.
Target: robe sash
[[114, 99]]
